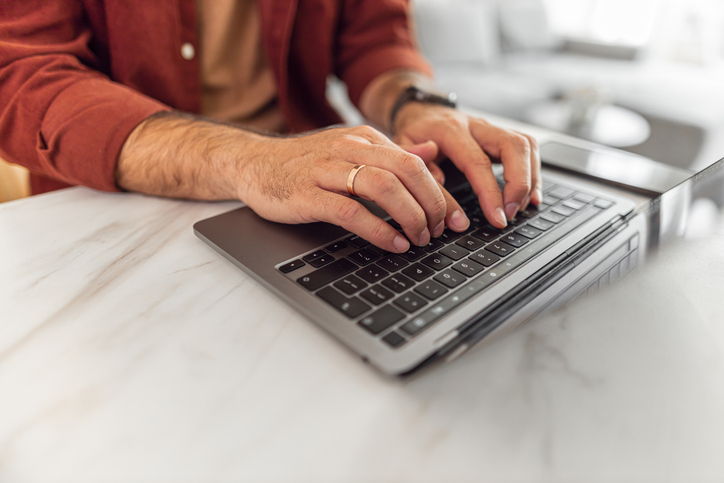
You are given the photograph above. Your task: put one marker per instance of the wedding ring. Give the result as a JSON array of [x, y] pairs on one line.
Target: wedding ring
[[352, 175]]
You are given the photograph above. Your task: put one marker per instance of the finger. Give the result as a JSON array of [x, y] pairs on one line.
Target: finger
[[536, 179], [455, 217], [384, 188], [514, 152], [470, 159], [429, 153], [354, 217], [416, 178]]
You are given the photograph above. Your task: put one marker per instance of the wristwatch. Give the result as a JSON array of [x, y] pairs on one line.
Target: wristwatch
[[415, 94]]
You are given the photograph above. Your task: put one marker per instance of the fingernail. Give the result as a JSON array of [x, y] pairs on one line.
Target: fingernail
[[500, 217], [511, 209], [539, 194], [401, 244], [459, 221], [437, 231], [424, 238]]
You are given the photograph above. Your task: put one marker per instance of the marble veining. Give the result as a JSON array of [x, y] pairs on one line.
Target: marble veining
[[130, 351]]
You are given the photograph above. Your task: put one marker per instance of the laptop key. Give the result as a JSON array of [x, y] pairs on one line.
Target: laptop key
[[540, 224], [430, 289], [552, 217], [328, 274], [398, 283], [450, 278], [486, 233], [514, 240], [528, 231], [381, 319], [392, 263], [372, 274], [563, 210], [470, 243], [321, 261], [314, 256], [484, 258], [335, 247], [434, 245], [418, 272], [394, 340], [357, 241], [291, 266], [448, 236], [437, 261], [574, 204], [377, 294], [350, 284], [363, 257], [560, 192], [352, 307], [601, 203], [410, 302], [583, 197], [414, 253], [454, 252], [501, 249], [468, 268]]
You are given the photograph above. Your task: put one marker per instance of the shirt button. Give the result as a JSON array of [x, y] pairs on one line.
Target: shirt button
[[187, 51]]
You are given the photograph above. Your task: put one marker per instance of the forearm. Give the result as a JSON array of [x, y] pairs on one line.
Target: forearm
[[380, 95], [180, 156]]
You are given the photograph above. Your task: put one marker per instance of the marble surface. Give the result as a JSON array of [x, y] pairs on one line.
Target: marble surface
[[131, 352]]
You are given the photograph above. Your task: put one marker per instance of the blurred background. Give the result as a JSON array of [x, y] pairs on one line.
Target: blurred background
[[642, 75]]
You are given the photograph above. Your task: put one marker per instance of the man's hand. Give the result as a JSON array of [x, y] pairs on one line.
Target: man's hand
[[470, 143], [292, 180]]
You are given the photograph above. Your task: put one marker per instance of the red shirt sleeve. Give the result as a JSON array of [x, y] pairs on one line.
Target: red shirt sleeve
[[59, 117], [375, 37]]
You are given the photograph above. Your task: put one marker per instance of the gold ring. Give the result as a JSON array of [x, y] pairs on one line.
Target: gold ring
[[352, 176]]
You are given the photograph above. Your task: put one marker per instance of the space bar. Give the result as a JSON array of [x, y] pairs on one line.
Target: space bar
[[325, 275]]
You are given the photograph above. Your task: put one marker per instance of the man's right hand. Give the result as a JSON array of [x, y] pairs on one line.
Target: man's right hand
[[294, 180], [304, 179]]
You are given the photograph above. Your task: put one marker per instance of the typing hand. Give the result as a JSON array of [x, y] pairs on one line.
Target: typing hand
[[470, 142], [308, 178]]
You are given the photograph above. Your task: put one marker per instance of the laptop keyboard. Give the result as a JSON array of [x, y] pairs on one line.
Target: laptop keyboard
[[395, 297]]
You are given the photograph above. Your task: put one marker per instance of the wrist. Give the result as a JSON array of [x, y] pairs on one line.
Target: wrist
[[414, 95]]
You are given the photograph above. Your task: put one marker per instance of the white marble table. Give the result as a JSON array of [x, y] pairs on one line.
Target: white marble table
[[131, 352]]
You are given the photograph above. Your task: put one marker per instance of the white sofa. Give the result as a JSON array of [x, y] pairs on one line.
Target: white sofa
[[501, 57]]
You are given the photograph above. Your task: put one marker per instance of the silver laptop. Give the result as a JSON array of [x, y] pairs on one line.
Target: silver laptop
[[401, 313]]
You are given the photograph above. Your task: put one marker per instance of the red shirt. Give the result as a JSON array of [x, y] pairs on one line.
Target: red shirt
[[77, 76]]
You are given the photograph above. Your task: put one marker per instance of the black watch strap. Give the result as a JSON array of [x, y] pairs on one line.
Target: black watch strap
[[415, 94]]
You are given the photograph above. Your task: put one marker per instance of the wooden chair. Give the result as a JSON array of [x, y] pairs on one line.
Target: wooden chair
[[14, 182]]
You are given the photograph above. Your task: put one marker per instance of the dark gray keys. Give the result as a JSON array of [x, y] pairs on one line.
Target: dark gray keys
[[393, 339], [363, 257], [540, 224], [410, 302], [321, 261], [335, 247], [514, 240], [454, 252], [468, 267], [414, 253], [357, 242], [392, 263], [372, 274], [434, 245], [382, 319], [327, 274], [350, 284], [352, 307], [418, 272], [314, 256], [471, 243], [398, 283], [437, 261], [501, 249], [486, 233], [450, 278], [528, 232], [448, 236], [430, 289], [377, 294], [291, 266], [484, 258]]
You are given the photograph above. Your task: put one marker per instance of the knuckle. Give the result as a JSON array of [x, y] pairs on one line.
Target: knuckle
[[412, 165], [348, 211], [378, 234], [519, 142], [367, 131], [385, 182]]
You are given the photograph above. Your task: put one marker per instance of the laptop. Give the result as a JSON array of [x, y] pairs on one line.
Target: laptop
[[404, 312]]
